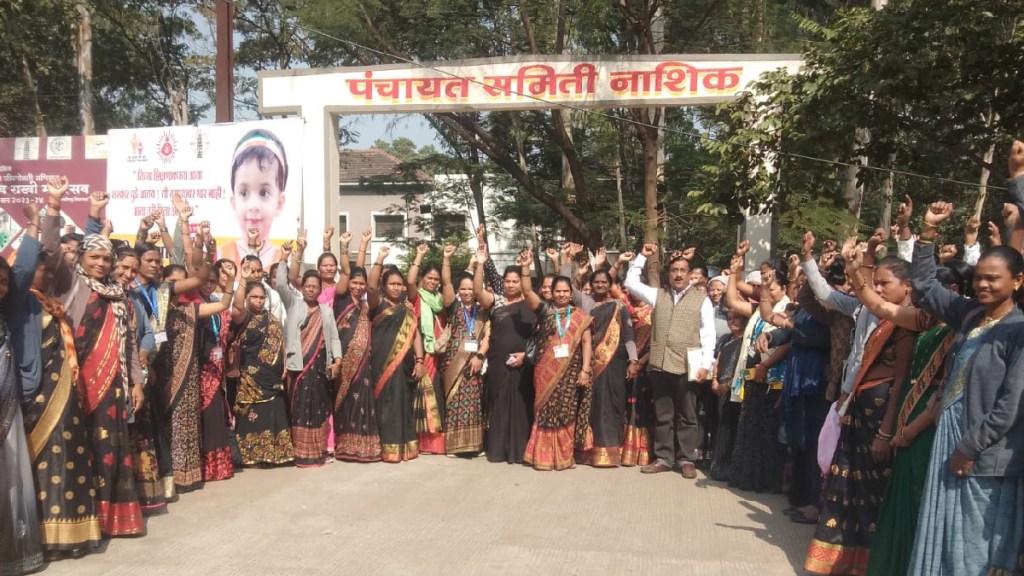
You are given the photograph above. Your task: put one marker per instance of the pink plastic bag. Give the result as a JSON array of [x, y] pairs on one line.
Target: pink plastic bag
[[828, 439]]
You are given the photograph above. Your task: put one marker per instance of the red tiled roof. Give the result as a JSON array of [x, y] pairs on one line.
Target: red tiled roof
[[358, 165]]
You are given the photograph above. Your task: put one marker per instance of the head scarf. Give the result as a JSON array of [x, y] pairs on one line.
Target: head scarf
[[109, 289]]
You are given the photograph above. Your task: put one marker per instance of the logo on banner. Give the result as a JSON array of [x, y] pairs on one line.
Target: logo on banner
[[199, 143], [136, 154], [166, 147], [58, 148]]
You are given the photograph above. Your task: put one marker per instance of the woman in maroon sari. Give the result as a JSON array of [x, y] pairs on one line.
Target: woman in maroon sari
[[100, 313], [355, 409], [396, 360]]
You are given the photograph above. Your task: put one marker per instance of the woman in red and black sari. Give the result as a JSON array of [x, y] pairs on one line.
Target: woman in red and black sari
[[562, 377], [355, 409], [110, 382], [396, 360], [261, 414], [214, 410]]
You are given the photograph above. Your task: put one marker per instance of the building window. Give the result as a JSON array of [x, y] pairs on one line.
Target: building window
[[387, 226], [342, 223], [448, 225]]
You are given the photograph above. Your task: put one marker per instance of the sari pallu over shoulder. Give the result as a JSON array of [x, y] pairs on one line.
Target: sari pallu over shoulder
[[607, 334], [55, 421], [456, 357], [549, 370], [402, 342], [355, 340]]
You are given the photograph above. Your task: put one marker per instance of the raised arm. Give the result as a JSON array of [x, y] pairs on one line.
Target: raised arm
[[828, 296], [295, 267], [648, 294], [532, 299], [732, 294], [344, 269], [1015, 187], [373, 282], [364, 245], [447, 289], [238, 311], [584, 302], [207, 309], [936, 299], [485, 298], [412, 286], [165, 234], [283, 289]]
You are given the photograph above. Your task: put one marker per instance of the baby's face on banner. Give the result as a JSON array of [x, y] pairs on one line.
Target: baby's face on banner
[[256, 199]]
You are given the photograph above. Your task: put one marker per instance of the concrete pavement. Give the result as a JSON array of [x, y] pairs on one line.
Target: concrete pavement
[[438, 515]]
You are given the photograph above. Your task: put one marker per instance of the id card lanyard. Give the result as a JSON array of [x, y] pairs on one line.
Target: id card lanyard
[[563, 329]]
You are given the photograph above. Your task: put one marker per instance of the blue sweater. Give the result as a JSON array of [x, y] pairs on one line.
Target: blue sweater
[[25, 317]]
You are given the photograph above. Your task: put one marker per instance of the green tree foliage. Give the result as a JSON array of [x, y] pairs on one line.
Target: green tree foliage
[[151, 64], [937, 84]]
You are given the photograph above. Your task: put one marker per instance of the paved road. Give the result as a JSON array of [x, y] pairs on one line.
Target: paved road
[[439, 515]]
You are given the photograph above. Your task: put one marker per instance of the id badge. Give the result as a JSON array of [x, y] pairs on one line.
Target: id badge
[[217, 353], [160, 337], [472, 346], [561, 351]]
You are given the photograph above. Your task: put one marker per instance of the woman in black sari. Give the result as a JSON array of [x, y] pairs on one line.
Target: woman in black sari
[[261, 415], [508, 386], [396, 360]]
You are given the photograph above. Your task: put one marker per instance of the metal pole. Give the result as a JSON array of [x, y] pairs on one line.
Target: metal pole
[[225, 99]]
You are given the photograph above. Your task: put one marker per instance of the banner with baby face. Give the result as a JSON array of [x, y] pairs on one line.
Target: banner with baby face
[[239, 177]]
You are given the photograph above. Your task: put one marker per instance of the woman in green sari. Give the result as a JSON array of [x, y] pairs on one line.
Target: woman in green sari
[[915, 426]]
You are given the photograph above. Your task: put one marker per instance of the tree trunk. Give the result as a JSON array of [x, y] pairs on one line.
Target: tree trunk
[[649, 141], [624, 243], [83, 53], [990, 119], [33, 90], [476, 184]]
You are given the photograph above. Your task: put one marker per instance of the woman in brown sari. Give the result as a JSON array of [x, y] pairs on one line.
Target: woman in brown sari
[[396, 360], [355, 409], [463, 362], [261, 414], [562, 377]]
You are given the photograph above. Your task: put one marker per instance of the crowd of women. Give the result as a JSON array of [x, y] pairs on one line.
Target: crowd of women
[[881, 394]]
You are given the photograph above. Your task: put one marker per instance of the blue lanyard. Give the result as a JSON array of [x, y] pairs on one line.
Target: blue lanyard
[[470, 322], [215, 324], [558, 321], [151, 299]]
